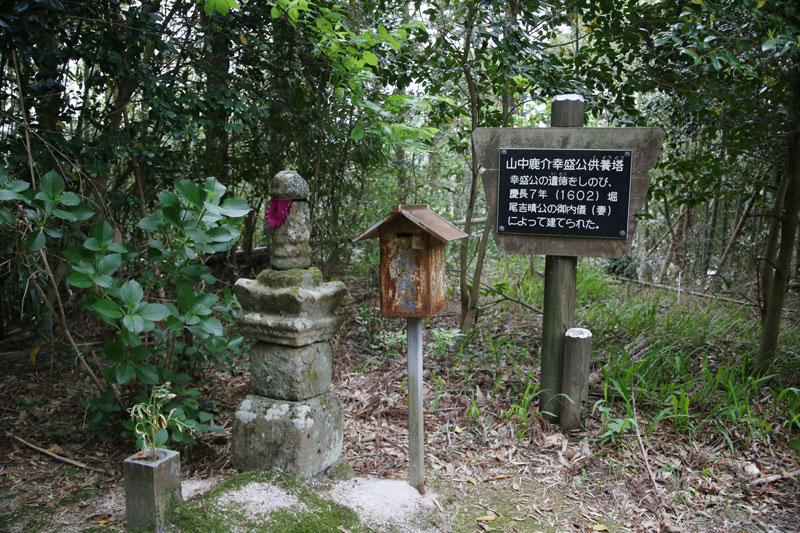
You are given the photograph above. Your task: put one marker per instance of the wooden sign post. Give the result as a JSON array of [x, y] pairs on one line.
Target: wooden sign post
[[565, 192], [412, 240]]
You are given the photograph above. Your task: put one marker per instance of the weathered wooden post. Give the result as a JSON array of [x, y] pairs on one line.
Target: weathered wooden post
[[564, 192], [412, 272], [560, 280]]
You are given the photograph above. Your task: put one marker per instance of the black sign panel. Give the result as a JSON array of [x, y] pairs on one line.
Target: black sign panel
[[581, 193]]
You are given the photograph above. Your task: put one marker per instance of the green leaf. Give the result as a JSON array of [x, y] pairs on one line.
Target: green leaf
[[52, 185], [113, 351], [275, 12], [131, 293], [191, 192], [36, 241], [6, 216], [148, 374], [358, 133], [212, 326], [103, 232], [103, 280], [219, 6], [204, 416], [235, 208], [691, 53], [140, 353], [134, 323], [6, 195], [370, 58], [109, 264], [65, 215], [214, 189], [182, 379], [107, 308], [169, 199], [124, 373], [80, 280], [82, 212], [70, 199], [151, 223], [54, 233], [93, 244], [154, 312]]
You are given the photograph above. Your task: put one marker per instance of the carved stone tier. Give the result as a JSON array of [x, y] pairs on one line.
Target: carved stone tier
[[311, 302], [292, 307], [289, 373]]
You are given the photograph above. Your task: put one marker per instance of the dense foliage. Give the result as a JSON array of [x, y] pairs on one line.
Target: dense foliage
[[126, 124]]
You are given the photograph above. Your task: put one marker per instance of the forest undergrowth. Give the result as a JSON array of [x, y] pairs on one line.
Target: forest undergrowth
[[677, 433]]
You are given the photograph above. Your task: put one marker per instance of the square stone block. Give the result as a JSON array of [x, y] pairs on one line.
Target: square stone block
[[152, 488], [303, 438], [290, 373]]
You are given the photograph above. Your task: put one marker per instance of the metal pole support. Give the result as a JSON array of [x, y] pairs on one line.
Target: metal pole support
[[416, 430]]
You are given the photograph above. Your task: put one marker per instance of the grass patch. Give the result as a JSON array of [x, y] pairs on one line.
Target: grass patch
[[684, 360], [314, 515], [30, 519]]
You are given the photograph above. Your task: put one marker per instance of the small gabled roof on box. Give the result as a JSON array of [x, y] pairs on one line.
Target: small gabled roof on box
[[422, 216]]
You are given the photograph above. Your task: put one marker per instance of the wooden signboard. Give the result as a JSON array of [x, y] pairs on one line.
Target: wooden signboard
[[643, 144], [564, 192]]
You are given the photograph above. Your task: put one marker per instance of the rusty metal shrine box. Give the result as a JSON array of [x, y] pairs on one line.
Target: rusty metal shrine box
[[412, 271]]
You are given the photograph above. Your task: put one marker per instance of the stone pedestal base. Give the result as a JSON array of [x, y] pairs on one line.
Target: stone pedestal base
[[303, 437], [152, 488]]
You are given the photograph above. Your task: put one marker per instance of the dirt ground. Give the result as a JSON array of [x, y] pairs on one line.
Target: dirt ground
[[490, 474]]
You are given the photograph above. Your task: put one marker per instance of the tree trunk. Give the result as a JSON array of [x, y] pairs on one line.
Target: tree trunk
[[777, 274], [217, 158], [403, 183], [474, 106], [736, 231]]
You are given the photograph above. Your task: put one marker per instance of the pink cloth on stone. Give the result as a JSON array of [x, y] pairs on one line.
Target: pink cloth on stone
[[278, 211]]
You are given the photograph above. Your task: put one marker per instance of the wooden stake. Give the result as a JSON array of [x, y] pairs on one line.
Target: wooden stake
[[416, 430], [575, 379]]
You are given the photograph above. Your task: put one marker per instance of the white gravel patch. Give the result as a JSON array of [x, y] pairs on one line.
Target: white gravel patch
[[257, 499], [382, 502], [197, 486]]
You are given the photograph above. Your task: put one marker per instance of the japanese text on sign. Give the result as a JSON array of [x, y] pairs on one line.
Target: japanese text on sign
[[564, 192]]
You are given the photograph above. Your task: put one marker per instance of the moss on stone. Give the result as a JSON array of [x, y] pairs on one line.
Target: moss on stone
[[294, 277]]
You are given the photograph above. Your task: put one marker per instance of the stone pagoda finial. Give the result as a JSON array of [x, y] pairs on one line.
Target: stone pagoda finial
[[290, 240]]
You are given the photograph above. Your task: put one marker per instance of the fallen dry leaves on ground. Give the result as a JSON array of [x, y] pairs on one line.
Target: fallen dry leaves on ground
[[531, 472]]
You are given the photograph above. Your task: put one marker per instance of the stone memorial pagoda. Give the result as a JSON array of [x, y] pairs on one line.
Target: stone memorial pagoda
[[291, 421]]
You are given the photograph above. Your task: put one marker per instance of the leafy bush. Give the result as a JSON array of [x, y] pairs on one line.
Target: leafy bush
[[167, 323]]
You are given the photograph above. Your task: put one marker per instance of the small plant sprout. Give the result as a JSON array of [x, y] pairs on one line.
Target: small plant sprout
[[150, 424]]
